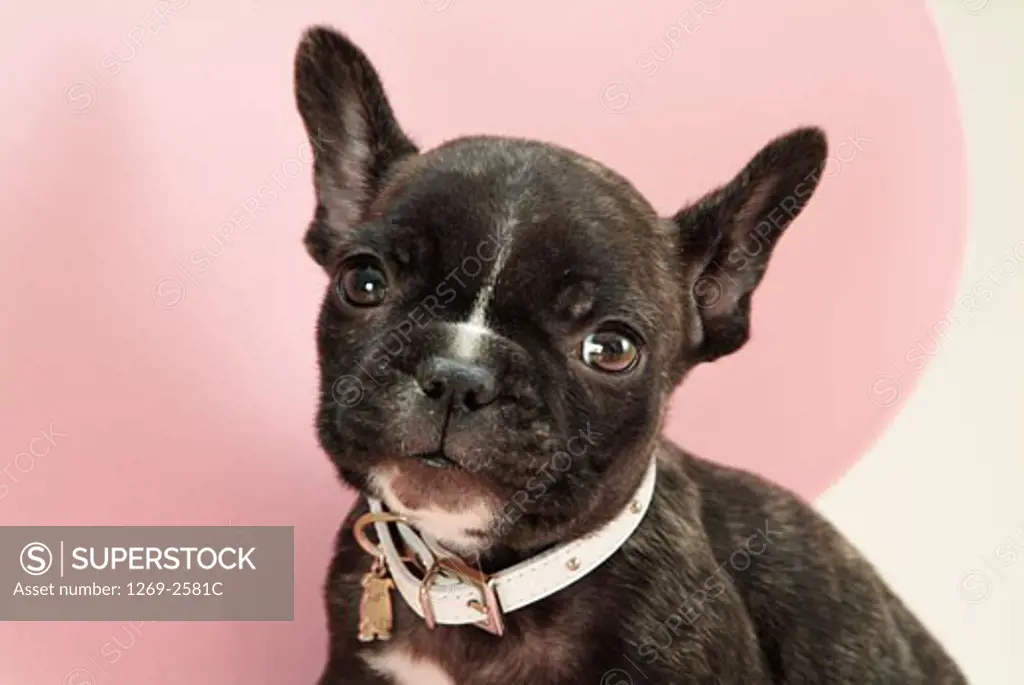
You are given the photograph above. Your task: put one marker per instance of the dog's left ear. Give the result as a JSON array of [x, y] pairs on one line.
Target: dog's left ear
[[727, 238], [352, 129]]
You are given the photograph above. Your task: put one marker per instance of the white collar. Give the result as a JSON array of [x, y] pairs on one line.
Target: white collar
[[467, 597]]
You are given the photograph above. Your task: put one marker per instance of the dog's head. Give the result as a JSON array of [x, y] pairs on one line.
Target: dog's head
[[505, 318]]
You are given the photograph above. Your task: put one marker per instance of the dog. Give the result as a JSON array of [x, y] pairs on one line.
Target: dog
[[504, 324]]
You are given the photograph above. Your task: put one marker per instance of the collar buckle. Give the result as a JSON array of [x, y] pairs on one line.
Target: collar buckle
[[487, 605]]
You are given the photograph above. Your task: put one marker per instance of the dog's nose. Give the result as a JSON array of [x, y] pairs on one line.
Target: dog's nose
[[462, 385]]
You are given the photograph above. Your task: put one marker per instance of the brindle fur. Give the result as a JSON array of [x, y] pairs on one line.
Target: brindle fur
[[729, 579]]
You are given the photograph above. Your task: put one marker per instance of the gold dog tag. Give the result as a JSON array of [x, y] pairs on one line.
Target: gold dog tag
[[375, 612]]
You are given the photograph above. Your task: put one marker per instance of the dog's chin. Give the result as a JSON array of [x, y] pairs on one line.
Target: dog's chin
[[441, 500]]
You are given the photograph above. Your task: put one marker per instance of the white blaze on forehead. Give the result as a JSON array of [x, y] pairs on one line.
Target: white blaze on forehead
[[470, 333]]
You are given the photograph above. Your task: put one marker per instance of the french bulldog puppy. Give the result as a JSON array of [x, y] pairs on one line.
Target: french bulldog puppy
[[493, 300]]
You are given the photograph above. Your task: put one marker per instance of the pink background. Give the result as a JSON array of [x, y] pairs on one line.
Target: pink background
[[190, 401]]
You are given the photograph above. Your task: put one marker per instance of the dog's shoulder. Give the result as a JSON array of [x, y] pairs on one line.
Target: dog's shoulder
[[799, 576], [779, 551], [785, 559], [736, 504]]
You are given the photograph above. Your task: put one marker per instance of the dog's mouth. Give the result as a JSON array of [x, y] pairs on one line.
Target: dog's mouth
[[436, 459]]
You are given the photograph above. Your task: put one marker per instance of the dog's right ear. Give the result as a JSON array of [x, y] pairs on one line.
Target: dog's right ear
[[352, 130]]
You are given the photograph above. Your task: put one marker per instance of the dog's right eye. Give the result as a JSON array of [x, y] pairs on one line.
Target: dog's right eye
[[362, 284]]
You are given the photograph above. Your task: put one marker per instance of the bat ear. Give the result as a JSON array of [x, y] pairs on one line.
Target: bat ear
[[355, 137], [727, 237]]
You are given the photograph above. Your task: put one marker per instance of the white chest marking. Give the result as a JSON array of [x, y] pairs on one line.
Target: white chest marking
[[403, 669]]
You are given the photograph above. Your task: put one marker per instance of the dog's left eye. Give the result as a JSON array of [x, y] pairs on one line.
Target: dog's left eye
[[610, 351], [363, 285]]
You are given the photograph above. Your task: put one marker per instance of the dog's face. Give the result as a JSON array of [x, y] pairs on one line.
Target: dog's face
[[506, 319]]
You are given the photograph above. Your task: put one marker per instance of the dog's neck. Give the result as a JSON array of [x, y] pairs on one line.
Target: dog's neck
[[621, 484], [454, 592]]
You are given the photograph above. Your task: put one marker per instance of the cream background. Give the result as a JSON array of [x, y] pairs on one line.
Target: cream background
[[952, 462]]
